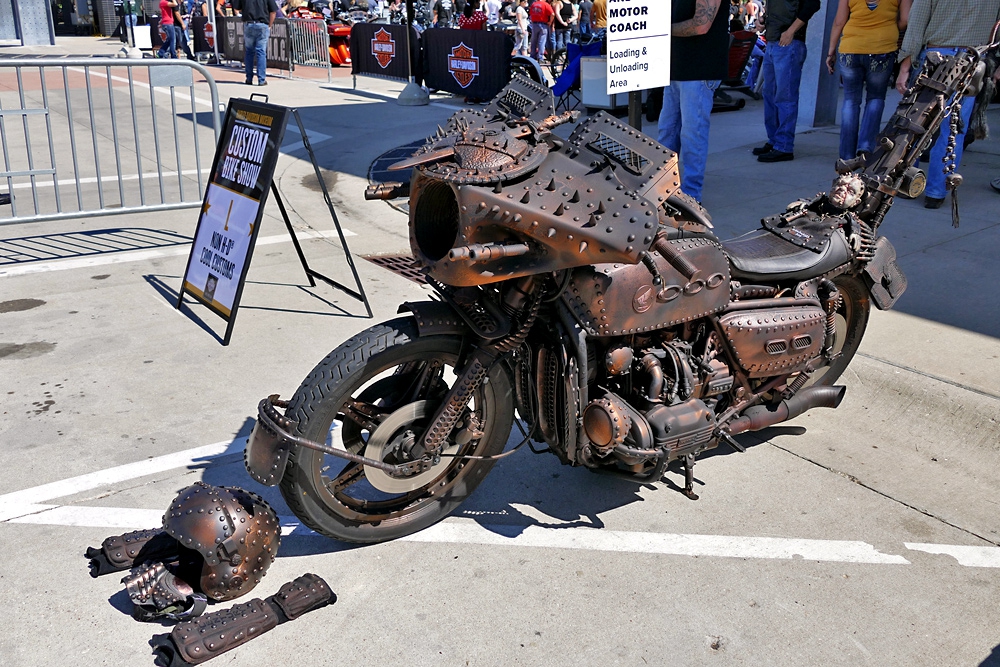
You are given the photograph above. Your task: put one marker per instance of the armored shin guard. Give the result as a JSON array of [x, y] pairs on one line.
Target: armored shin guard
[[123, 552], [194, 642]]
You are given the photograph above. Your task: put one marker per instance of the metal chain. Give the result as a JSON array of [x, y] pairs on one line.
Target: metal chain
[[949, 155]]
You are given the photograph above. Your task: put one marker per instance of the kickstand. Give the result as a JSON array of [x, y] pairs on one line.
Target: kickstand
[[689, 477]]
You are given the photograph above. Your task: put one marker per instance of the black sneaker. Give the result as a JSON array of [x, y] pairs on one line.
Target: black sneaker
[[933, 202], [262, 83], [760, 150], [248, 82], [776, 156]]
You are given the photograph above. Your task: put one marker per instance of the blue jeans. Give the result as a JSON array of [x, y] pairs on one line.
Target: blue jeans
[[169, 47], [782, 75], [683, 128], [872, 74], [521, 42], [756, 61], [255, 45], [539, 38], [936, 186], [562, 37]]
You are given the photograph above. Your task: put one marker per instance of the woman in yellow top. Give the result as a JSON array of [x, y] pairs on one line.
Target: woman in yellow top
[[868, 34]]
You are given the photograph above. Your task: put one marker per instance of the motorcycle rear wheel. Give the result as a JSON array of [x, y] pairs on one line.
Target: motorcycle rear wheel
[[374, 395], [852, 320]]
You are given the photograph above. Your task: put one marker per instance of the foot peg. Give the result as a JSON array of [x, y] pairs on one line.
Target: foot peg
[[194, 642], [124, 552]]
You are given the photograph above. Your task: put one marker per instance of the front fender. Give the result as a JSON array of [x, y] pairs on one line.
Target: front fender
[[435, 318]]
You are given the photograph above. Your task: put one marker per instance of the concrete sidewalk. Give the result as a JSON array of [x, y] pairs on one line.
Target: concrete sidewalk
[[99, 370]]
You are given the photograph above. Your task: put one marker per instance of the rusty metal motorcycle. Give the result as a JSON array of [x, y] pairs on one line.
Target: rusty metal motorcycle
[[578, 286]]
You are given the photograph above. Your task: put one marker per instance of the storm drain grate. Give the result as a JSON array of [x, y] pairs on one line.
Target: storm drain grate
[[402, 265]]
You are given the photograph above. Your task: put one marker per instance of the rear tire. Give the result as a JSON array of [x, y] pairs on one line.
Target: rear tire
[[400, 377], [852, 320]]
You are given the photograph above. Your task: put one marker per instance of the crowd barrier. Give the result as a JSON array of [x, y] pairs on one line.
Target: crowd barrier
[[100, 136]]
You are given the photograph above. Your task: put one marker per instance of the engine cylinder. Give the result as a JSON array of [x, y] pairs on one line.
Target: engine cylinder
[[606, 424]]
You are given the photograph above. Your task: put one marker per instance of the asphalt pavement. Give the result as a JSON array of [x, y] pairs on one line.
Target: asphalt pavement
[[863, 535]]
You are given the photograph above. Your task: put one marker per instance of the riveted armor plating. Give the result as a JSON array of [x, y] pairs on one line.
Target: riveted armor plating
[[775, 341], [194, 642], [621, 299], [235, 531], [123, 552]]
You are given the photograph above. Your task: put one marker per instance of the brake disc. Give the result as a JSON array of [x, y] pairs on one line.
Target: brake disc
[[388, 436]]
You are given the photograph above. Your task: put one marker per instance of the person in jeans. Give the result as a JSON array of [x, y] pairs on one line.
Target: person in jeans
[[785, 31], [542, 17], [564, 19], [258, 17], [521, 31], [867, 41], [169, 47], [586, 9], [699, 60], [944, 26]]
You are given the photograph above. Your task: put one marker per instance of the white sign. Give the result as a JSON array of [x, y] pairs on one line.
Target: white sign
[[221, 247], [638, 45]]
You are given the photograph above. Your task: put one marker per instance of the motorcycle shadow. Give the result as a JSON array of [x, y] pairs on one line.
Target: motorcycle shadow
[[528, 490]]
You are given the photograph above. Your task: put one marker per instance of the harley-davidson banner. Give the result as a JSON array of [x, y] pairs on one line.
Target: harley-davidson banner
[[473, 63], [380, 50], [463, 65], [383, 48]]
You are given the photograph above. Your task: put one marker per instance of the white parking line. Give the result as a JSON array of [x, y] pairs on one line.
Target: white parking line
[[965, 555], [143, 255], [724, 546], [29, 506]]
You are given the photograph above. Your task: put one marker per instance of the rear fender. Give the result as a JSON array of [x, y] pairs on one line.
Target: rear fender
[[885, 280]]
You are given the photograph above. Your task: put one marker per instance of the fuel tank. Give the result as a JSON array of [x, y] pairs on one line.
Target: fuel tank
[[621, 299]]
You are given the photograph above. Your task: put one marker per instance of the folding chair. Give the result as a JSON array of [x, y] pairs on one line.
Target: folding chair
[[567, 87]]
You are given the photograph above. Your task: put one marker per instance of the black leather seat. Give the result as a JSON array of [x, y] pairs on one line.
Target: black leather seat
[[763, 256]]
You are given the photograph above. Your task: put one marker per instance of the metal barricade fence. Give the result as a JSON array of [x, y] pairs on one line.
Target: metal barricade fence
[[101, 136], [310, 44]]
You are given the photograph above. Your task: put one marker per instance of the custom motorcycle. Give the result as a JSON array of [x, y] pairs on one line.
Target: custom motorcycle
[[577, 285]]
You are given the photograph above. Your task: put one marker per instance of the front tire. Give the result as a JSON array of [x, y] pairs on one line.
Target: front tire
[[374, 395]]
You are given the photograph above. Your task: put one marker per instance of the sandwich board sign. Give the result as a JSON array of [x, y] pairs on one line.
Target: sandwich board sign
[[231, 211]]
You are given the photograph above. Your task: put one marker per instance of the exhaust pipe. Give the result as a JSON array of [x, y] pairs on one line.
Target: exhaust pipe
[[760, 417]]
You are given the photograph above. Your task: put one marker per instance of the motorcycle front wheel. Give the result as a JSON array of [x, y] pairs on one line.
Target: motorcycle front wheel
[[374, 396]]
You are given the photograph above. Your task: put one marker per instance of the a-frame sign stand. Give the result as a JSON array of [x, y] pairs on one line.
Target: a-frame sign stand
[[242, 175]]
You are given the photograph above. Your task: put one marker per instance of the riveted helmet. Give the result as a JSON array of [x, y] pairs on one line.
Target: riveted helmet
[[234, 531]]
